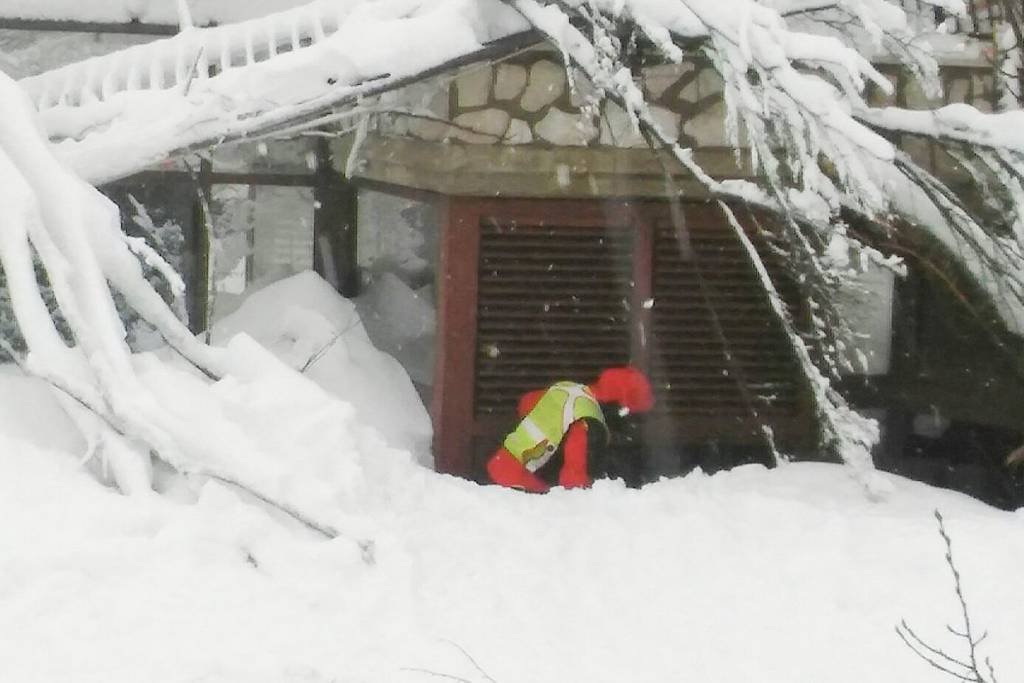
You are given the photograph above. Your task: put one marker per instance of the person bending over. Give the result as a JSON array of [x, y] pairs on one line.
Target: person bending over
[[562, 415]]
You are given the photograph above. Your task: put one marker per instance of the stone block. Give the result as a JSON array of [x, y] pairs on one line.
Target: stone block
[[706, 83], [617, 129], [426, 129], [583, 91], [707, 128], [486, 126], [668, 121], [658, 79], [429, 97], [509, 81], [518, 133], [546, 84], [474, 86], [565, 129]]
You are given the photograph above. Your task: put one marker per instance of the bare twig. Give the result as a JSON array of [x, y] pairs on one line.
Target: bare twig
[[966, 634], [453, 677], [437, 674], [470, 658], [970, 670], [932, 655], [318, 354], [366, 546]]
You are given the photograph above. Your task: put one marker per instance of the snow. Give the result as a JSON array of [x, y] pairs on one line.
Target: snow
[[959, 121], [790, 574], [402, 322], [35, 417], [309, 327], [782, 575], [146, 11]]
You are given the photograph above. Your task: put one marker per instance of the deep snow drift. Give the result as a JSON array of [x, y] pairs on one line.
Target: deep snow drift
[[750, 575], [304, 322], [787, 575]]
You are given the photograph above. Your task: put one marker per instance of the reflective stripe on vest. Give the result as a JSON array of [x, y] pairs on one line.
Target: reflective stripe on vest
[[540, 432]]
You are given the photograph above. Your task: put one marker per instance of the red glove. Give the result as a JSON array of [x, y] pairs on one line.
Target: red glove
[[504, 469], [574, 468]]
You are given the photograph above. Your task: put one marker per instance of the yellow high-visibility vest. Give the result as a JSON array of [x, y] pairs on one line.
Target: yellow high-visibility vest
[[539, 434]]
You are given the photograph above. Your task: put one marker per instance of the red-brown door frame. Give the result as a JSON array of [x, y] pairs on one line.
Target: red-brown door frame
[[454, 359]]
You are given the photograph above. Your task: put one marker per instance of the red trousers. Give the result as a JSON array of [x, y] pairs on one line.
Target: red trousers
[[504, 469]]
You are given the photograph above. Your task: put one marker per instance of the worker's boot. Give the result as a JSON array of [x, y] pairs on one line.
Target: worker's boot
[[504, 469]]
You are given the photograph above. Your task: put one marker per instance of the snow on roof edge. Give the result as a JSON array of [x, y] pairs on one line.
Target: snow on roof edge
[[145, 11]]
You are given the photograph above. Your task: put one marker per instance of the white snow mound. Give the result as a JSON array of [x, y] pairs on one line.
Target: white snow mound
[[305, 323], [773, 576]]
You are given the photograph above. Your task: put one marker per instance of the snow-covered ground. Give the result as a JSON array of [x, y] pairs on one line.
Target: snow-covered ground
[[751, 575]]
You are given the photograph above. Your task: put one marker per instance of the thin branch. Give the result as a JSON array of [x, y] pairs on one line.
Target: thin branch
[[935, 656], [934, 650], [470, 658], [736, 370], [932, 662], [972, 644], [437, 674], [318, 354]]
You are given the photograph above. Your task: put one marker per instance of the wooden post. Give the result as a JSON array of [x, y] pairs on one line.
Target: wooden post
[[452, 402], [334, 225]]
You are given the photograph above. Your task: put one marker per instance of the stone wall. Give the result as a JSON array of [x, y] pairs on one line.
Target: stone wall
[[516, 127], [528, 101]]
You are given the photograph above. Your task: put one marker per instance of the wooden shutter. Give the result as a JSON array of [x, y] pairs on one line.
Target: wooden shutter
[[554, 303], [717, 350], [537, 291]]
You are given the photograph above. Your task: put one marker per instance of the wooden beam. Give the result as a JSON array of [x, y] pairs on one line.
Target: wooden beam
[[70, 26]]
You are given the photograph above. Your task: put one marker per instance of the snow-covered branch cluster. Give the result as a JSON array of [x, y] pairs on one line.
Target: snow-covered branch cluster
[[76, 234], [795, 103], [796, 82], [133, 410]]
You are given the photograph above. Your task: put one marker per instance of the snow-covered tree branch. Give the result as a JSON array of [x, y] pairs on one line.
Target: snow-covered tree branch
[[795, 94]]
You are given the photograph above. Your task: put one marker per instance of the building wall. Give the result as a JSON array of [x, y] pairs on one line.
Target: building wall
[[519, 128]]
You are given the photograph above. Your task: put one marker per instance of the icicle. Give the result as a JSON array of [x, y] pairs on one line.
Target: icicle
[[181, 65], [295, 34], [271, 30], [111, 80], [318, 28], [43, 100], [225, 51], [156, 74], [132, 81], [202, 65], [87, 92], [184, 16], [250, 52]]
